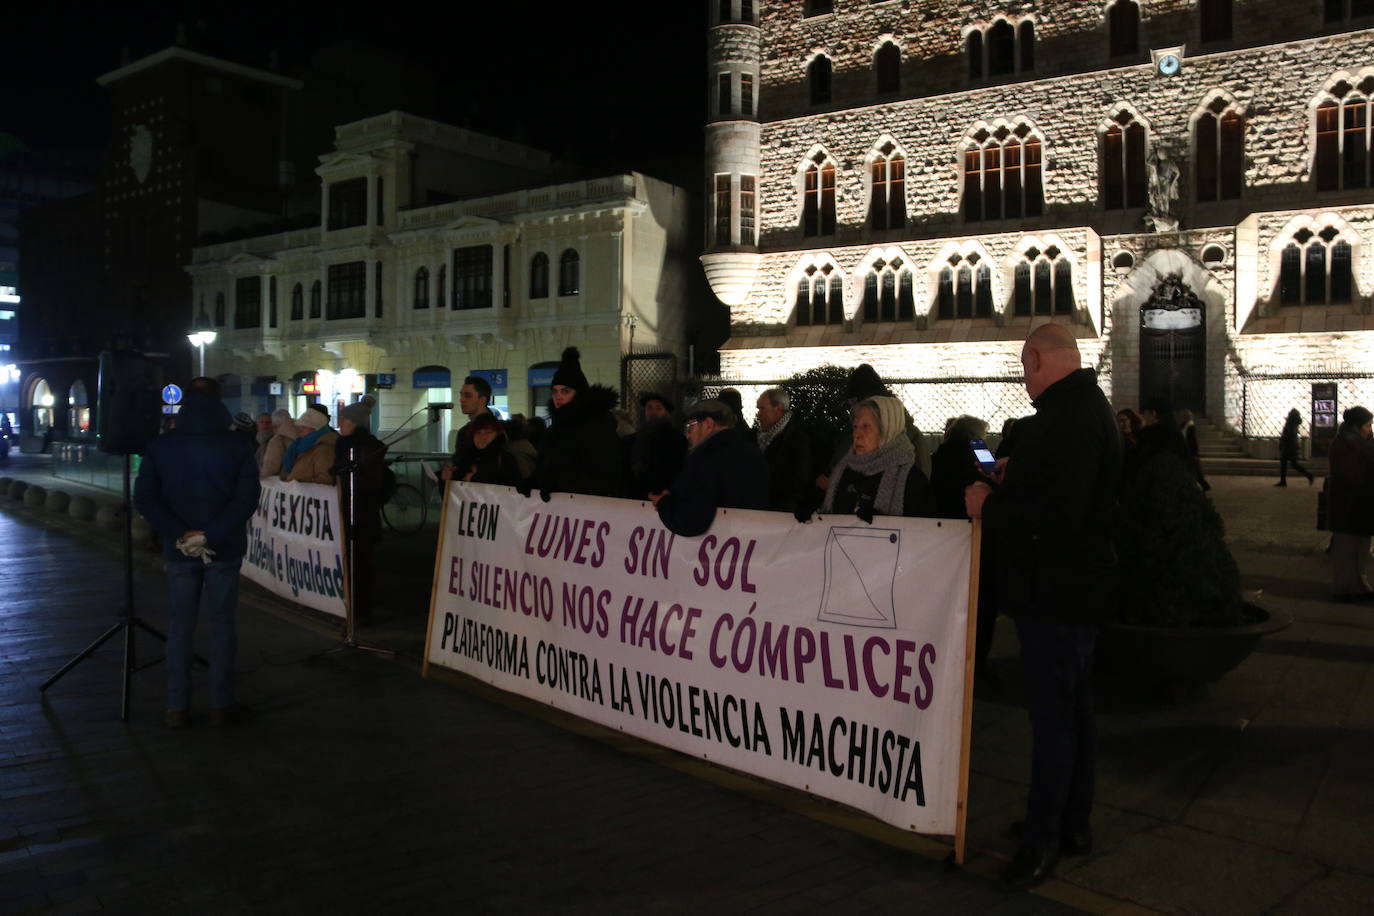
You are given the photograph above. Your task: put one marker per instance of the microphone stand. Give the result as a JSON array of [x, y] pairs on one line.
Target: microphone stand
[[349, 470]]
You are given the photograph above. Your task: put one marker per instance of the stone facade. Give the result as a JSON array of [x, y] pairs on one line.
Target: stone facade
[[1269, 75]]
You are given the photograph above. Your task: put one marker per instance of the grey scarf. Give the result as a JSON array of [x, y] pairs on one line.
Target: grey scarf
[[768, 435], [893, 460]]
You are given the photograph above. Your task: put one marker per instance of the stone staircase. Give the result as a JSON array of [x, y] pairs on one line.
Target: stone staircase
[[1223, 454]]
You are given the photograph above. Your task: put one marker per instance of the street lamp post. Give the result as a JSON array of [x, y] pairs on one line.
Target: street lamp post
[[202, 335]]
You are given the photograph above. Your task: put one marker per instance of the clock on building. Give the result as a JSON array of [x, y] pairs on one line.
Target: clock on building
[[1169, 64]]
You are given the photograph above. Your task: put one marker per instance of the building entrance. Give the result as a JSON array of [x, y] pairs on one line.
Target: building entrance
[[1173, 346]]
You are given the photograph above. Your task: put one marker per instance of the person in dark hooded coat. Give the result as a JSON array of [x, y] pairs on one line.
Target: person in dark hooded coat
[[581, 452], [197, 487]]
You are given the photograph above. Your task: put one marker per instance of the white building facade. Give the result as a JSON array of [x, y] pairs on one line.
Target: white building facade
[[442, 253], [1186, 184]]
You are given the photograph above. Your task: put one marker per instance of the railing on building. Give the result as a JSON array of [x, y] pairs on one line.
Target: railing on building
[[930, 401], [1266, 398]]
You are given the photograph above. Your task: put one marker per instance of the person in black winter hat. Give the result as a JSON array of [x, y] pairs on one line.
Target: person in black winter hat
[[581, 452]]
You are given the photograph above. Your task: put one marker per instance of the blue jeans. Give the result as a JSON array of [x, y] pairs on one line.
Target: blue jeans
[[185, 582], [1057, 662]]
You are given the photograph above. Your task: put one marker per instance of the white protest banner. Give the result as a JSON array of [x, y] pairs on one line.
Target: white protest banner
[[827, 656], [296, 544]]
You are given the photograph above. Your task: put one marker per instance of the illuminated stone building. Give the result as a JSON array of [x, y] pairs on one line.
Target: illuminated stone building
[[441, 253], [1186, 183]]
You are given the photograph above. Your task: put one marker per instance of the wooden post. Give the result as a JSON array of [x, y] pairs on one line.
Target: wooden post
[[347, 550], [434, 589], [970, 652]]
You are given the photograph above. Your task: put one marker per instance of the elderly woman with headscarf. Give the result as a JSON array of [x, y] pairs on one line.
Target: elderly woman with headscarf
[[283, 434], [879, 475]]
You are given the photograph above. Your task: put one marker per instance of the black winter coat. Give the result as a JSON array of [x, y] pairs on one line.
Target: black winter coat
[[494, 464], [952, 468], [857, 490], [1052, 518], [199, 477], [724, 472], [656, 454], [792, 470], [581, 452], [369, 481], [1350, 485]]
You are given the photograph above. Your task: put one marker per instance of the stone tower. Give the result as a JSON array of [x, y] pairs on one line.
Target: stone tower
[[732, 150]]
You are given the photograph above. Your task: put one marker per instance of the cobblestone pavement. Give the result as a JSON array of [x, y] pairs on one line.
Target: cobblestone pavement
[[360, 787]]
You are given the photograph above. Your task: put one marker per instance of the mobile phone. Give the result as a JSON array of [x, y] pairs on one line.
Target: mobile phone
[[986, 460]]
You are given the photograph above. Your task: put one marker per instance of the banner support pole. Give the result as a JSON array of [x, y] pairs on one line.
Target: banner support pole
[[434, 590], [970, 653]]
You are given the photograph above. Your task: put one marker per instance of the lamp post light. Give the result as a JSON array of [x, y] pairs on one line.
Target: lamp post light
[[200, 336]]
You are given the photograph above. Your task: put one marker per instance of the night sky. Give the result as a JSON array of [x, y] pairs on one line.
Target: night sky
[[622, 88]]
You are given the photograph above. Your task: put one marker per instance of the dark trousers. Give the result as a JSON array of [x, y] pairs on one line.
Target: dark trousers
[[1057, 661], [1283, 468]]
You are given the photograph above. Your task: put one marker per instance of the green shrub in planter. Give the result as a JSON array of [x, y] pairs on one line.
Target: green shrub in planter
[[1176, 570]]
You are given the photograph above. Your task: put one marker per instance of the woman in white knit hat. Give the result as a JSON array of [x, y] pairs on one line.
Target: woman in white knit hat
[[310, 457]]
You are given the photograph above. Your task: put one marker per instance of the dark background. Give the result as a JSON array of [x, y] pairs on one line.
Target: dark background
[[604, 86]]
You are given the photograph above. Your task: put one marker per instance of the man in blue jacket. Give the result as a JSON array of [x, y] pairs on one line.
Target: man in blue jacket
[[198, 486]]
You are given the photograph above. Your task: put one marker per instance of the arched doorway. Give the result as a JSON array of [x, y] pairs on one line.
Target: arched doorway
[[1173, 346]]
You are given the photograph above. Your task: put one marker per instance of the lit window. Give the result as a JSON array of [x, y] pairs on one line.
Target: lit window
[[1315, 269], [1343, 138], [818, 197], [472, 275], [820, 296], [1219, 148], [747, 210], [964, 289], [722, 205], [1043, 284], [887, 291], [1123, 163], [1002, 175], [887, 201]]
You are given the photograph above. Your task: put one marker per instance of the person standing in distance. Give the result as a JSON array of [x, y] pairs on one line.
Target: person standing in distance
[[1049, 510], [198, 486]]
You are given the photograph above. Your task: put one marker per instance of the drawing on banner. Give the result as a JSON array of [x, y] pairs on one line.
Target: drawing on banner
[[860, 577]]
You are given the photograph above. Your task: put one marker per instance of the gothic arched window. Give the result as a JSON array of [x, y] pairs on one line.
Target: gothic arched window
[[887, 201], [818, 197], [1219, 152], [1316, 269], [1124, 181], [820, 296], [1002, 175], [888, 291], [297, 302], [1343, 138], [964, 289], [315, 297], [1043, 284]]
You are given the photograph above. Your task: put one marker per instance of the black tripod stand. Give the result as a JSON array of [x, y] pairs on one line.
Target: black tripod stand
[[128, 618]]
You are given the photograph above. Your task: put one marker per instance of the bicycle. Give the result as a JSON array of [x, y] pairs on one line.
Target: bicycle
[[408, 508]]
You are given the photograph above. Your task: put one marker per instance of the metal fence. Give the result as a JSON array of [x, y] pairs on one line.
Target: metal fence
[[644, 372], [1265, 399], [930, 401]]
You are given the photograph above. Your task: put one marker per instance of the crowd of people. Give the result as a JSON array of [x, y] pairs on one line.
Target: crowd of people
[[1048, 501]]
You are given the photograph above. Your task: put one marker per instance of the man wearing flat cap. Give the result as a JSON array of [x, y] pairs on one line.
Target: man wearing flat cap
[[723, 470]]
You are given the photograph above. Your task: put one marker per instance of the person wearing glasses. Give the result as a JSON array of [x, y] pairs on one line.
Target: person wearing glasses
[[723, 470]]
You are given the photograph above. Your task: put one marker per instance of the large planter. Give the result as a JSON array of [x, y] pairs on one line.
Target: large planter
[[1180, 661]]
